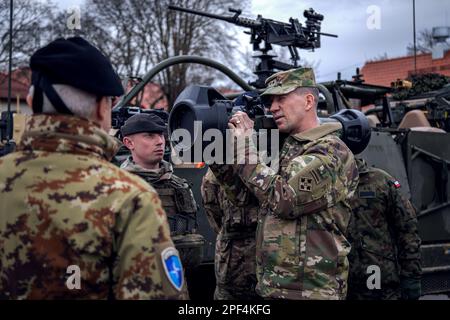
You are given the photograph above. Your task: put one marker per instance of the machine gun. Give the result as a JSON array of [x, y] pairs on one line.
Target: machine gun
[[268, 32]]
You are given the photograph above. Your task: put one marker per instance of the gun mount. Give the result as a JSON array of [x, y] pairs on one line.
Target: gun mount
[[266, 32]]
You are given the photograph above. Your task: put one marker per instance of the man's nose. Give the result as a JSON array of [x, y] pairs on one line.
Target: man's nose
[[160, 139], [274, 106]]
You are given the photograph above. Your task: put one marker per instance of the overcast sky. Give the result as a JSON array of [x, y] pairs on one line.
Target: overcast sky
[[348, 19]]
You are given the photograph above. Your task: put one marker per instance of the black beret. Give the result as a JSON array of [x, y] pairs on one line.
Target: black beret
[[77, 63], [143, 122]]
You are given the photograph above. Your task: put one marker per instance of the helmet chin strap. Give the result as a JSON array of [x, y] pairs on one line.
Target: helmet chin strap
[[41, 86]]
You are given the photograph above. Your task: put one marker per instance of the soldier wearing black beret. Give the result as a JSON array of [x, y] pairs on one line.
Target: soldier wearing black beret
[[73, 225], [144, 135], [67, 75], [143, 123]]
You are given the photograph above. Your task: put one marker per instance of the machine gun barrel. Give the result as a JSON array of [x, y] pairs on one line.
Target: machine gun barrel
[[246, 22], [243, 22], [326, 34]]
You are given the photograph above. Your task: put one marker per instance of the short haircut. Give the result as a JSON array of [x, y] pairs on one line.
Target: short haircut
[[79, 102], [309, 90]]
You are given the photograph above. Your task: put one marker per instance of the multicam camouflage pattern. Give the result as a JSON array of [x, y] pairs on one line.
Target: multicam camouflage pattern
[[235, 223], [62, 203], [284, 82], [383, 232], [304, 213], [179, 204]]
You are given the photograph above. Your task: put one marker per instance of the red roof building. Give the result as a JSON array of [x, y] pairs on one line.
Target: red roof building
[[20, 83], [153, 97], [384, 72]]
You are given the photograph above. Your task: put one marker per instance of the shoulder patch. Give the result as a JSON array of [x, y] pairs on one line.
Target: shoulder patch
[[172, 266], [305, 184], [395, 183]]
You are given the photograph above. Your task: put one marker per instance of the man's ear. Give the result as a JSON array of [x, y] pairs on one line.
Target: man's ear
[[128, 143], [309, 101], [102, 109], [29, 101]]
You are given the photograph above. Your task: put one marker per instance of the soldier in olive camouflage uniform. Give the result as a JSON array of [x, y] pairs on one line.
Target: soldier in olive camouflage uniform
[[303, 207], [235, 223], [143, 134], [383, 232], [63, 204], [180, 206]]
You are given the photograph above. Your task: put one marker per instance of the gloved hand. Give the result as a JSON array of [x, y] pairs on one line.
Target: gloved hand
[[411, 288]]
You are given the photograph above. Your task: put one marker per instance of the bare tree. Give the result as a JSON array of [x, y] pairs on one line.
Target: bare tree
[[31, 26], [138, 34], [380, 57], [425, 43]]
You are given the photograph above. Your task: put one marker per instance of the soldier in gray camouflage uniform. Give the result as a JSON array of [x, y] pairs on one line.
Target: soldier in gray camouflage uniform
[[303, 212], [63, 204], [383, 232], [143, 135], [235, 224]]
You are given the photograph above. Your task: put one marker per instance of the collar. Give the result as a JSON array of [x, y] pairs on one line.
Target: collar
[[67, 134], [165, 170], [318, 132]]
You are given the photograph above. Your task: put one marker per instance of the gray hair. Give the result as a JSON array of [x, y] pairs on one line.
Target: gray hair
[[309, 90], [79, 102]]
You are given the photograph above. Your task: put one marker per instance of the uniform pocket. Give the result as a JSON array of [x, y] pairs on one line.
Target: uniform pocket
[[280, 255], [321, 261], [185, 201]]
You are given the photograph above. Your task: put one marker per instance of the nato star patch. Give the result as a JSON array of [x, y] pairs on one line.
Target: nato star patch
[[172, 267]]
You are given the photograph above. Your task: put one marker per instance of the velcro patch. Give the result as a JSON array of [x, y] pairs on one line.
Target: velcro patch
[[367, 194], [305, 184], [275, 83], [394, 183], [172, 267]]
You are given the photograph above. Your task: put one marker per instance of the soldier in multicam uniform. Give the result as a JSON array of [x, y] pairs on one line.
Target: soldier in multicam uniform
[[63, 204], [143, 135], [383, 232], [304, 212], [235, 224]]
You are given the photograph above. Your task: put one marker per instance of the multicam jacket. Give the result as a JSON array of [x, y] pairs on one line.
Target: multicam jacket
[[235, 223], [63, 204], [304, 213], [383, 232]]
